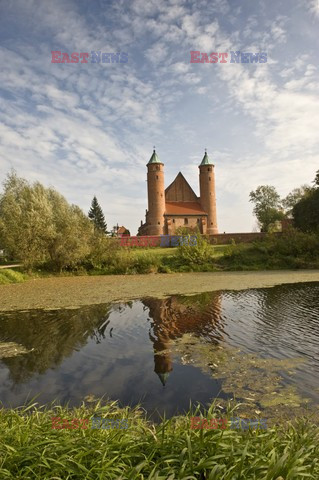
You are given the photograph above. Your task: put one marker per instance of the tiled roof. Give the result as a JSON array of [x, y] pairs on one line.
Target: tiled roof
[[183, 208], [121, 230]]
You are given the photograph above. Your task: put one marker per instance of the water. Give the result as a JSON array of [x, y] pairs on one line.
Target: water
[[159, 352]]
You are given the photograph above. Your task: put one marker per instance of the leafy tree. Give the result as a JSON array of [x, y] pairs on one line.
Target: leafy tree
[[294, 197], [37, 225], [306, 211], [97, 216], [70, 242], [267, 206], [26, 222]]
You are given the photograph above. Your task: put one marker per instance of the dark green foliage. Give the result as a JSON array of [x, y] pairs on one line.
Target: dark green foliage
[[97, 216], [293, 249], [294, 197], [306, 212]]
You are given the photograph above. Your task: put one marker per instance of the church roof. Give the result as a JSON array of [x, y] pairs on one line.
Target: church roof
[[180, 191], [154, 158], [183, 208], [206, 160]]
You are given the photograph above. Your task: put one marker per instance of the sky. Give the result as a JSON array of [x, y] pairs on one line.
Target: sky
[[89, 128]]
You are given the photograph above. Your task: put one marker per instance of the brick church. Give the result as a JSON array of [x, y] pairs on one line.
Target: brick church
[[178, 205]]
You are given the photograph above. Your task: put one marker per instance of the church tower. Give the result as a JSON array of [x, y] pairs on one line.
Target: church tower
[[156, 196], [208, 193]]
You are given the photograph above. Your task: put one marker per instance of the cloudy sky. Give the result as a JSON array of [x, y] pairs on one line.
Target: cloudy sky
[[89, 128]]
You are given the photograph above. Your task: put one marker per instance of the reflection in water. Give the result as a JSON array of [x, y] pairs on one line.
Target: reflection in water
[[113, 350], [53, 336], [176, 316]]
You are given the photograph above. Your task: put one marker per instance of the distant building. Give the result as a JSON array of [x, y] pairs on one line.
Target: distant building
[[178, 205], [122, 231]]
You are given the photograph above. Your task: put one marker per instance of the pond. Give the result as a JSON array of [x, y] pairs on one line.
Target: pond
[[259, 346]]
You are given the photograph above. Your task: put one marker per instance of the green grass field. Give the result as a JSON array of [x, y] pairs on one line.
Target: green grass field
[[217, 250]]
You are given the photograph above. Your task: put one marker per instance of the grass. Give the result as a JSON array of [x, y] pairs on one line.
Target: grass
[[31, 450], [10, 276]]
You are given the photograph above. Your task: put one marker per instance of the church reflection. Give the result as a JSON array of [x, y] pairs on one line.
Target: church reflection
[[171, 318], [53, 336]]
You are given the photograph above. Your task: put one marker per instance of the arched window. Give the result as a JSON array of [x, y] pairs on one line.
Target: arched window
[[185, 221]]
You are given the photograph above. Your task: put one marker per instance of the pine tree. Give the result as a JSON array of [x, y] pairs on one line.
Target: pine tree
[[97, 216]]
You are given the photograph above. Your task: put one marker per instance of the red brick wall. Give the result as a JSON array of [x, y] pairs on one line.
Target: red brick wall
[[225, 238]]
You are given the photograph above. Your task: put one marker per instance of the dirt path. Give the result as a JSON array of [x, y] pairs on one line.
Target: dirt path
[[68, 292], [11, 266]]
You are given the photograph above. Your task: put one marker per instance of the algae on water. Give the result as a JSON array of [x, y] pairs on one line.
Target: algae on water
[[256, 382]]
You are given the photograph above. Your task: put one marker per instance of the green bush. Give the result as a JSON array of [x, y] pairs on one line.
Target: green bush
[[10, 276], [198, 254]]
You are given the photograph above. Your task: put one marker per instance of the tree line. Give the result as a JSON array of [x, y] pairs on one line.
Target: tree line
[[301, 206], [38, 227]]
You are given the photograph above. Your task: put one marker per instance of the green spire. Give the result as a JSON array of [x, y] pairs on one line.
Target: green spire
[[163, 377], [154, 158], [206, 160]]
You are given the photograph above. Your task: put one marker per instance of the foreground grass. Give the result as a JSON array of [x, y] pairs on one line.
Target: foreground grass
[[31, 449], [10, 276]]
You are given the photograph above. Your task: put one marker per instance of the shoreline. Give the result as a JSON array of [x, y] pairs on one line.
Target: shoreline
[[73, 292]]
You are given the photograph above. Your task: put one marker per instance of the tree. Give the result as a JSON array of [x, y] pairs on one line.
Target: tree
[[267, 206], [294, 197], [26, 221], [97, 216], [306, 211], [37, 225], [70, 242]]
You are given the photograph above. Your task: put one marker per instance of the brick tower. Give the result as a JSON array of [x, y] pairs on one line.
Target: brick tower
[[156, 196], [208, 194]]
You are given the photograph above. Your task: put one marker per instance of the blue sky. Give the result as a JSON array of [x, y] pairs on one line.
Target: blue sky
[[89, 129]]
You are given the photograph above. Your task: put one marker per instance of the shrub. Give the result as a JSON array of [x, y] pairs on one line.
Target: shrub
[[10, 276], [198, 254]]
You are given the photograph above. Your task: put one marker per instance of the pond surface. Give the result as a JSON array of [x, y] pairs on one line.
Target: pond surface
[[258, 345]]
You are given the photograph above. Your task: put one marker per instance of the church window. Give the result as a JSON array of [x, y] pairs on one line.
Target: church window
[[185, 221], [209, 178], [198, 220], [157, 167], [173, 220], [158, 223], [157, 177]]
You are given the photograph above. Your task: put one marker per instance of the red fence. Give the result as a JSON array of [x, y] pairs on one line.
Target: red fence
[[143, 241]]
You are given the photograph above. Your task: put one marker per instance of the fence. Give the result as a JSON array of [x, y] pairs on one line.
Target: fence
[[158, 241]]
